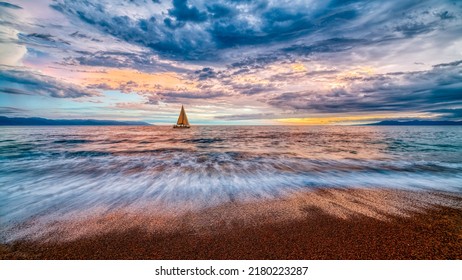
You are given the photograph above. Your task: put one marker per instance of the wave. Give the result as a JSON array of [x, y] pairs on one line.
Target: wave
[[177, 177], [62, 171]]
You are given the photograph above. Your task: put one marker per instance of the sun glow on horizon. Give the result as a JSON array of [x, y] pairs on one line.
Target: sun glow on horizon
[[351, 120]]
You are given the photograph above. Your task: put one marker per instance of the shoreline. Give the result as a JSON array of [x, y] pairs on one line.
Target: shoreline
[[322, 224]]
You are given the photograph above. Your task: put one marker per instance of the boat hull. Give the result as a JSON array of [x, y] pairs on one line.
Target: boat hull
[[181, 126]]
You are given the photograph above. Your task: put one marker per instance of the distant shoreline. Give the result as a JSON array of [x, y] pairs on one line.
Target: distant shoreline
[[53, 125], [6, 121]]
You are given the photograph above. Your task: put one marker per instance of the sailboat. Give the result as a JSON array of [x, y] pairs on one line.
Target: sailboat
[[182, 120]]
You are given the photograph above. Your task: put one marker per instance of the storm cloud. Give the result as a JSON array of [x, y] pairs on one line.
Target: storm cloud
[[423, 91], [247, 59], [198, 30], [9, 5], [24, 82]]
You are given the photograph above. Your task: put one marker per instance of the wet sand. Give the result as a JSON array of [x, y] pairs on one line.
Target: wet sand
[[322, 224]]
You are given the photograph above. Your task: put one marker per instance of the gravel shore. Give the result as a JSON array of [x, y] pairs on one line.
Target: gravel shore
[[322, 224]]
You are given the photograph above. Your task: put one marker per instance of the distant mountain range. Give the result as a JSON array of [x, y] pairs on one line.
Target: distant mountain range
[[416, 122], [41, 121]]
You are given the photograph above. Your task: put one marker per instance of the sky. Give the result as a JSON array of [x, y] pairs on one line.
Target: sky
[[232, 61]]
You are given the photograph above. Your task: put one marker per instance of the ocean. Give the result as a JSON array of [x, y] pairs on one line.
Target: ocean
[[62, 170]]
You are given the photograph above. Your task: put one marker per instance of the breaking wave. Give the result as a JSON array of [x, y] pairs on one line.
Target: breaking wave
[[61, 170]]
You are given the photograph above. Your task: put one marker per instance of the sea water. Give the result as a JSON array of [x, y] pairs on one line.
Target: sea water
[[68, 169]]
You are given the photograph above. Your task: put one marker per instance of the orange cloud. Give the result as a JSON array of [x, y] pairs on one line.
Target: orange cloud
[[130, 80]]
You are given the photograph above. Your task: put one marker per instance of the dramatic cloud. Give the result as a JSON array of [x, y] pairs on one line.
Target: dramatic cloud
[[12, 111], [231, 60], [450, 113], [198, 30], [420, 91], [9, 5], [20, 81]]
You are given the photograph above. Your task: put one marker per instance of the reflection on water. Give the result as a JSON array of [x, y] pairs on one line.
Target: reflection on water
[[64, 169]]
